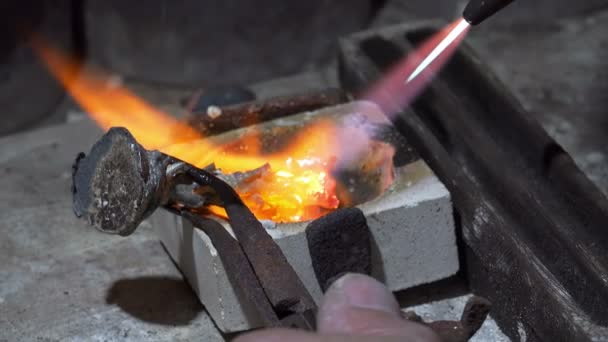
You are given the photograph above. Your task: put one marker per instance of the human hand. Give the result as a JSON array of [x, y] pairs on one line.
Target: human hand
[[355, 308]]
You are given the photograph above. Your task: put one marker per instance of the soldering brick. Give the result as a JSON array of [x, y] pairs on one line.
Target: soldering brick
[[413, 243]]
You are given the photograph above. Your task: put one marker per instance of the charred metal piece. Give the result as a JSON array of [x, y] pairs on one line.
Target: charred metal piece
[[219, 119], [339, 243], [474, 314]]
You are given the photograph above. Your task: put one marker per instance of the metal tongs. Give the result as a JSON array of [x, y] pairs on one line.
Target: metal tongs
[[255, 265]]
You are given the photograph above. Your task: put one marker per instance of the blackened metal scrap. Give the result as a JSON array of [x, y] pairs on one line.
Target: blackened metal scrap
[[282, 285], [250, 113], [238, 269], [339, 243], [474, 314]]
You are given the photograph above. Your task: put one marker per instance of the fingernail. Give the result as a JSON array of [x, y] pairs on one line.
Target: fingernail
[[361, 291]]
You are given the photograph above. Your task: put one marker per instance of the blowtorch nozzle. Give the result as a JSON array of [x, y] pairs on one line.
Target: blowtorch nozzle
[[479, 10]]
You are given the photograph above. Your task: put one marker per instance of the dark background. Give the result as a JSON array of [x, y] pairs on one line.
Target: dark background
[[195, 43]]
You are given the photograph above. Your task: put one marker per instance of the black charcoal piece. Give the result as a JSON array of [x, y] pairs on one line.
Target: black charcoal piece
[[339, 243]]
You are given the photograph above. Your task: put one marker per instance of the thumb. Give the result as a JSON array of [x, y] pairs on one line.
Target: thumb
[[360, 305]]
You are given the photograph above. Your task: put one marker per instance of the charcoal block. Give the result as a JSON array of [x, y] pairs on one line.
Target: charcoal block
[[339, 243]]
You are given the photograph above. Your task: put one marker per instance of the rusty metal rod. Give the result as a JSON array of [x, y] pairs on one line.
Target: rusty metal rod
[[222, 119]]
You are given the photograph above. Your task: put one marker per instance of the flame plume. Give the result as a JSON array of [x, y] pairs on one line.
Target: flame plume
[[410, 76], [298, 187]]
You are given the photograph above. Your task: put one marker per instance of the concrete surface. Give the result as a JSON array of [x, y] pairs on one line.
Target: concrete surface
[[412, 231], [60, 280]]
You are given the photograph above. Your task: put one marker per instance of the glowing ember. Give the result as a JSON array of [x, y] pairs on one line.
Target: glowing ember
[[297, 186], [299, 192]]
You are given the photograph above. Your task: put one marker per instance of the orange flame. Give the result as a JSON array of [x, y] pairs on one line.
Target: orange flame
[[298, 187]]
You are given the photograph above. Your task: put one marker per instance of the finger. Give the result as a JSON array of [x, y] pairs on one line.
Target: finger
[[277, 335], [354, 294], [360, 305], [290, 335]]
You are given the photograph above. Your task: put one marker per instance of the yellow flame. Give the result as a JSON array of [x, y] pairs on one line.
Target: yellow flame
[[289, 192]]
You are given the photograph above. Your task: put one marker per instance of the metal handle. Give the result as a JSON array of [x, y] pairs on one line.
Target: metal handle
[[479, 10]]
